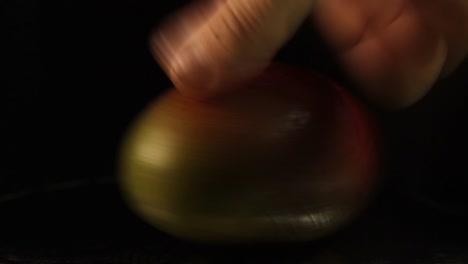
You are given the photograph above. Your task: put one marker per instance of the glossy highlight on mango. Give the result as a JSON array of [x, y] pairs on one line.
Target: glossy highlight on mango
[[288, 157]]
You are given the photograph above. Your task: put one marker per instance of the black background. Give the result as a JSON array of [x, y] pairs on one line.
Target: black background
[[77, 72]]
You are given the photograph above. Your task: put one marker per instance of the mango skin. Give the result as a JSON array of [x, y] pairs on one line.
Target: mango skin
[[289, 157]]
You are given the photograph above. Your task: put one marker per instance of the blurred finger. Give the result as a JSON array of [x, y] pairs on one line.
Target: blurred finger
[[212, 45]]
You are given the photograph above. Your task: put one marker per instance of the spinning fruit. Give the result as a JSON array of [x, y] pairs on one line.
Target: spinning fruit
[[288, 157]]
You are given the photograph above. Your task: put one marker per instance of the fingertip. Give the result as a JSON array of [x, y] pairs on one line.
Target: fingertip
[[209, 49], [207, 82], [201, 72]]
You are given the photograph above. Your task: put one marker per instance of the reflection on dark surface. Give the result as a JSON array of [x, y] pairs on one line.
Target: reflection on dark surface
[[65, 124], [96, 227]]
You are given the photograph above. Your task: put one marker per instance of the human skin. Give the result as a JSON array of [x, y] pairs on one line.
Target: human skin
[[394, 50]]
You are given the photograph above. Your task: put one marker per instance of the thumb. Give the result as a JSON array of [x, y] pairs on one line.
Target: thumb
[[210, 46]]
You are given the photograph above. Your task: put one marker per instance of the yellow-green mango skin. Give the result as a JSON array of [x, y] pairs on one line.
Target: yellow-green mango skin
[[285, 159]]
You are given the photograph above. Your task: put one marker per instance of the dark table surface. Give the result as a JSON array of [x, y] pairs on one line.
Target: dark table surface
[[78, 72]]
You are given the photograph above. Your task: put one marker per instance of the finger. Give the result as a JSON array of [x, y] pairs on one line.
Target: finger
[[213, 45], [450, 18], [389, 47]]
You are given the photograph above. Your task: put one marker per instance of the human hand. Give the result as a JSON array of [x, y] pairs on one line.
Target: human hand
[[395, 50]]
